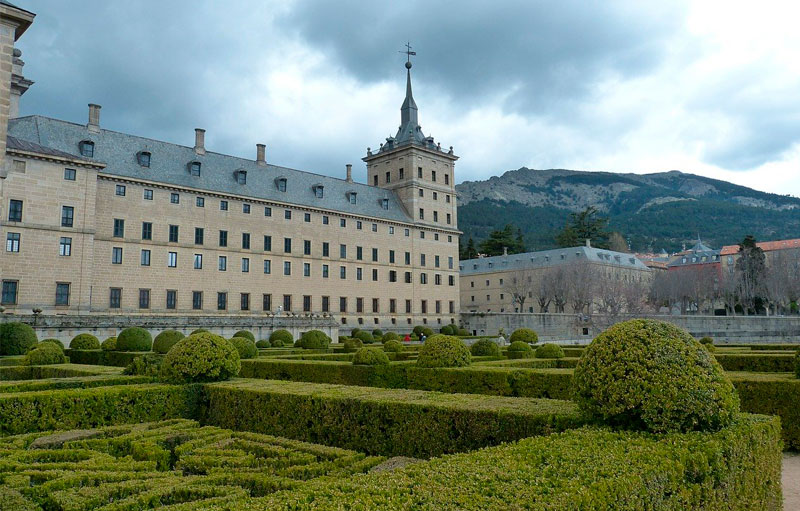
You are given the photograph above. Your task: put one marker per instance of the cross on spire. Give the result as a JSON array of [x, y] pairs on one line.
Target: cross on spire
[[408, 53]]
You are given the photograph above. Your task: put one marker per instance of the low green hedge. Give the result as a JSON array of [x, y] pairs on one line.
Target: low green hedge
[[756, 362], [102, 357], [772, 394], [76, 382], [385, 422], [56, 371]]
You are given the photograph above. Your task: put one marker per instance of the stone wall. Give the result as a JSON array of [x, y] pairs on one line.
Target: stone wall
[[569, 327]]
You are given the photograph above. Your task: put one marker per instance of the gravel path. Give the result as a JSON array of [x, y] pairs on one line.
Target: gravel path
[[791, 481]]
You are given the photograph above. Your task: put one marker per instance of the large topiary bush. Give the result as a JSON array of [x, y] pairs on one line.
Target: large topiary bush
[[134, 339], [54, 341], [448, 330], [525, 335], [443, 351], [84, 342], [549, 350], [198, 331], [45, 353], [16, 338], [519, 349], [462, 332], [651, 375], [109, 344], [246, 334], [390, 336], [245, 347], [392, 346], [166, 340], [314, 340], [145, 365], [202, 357], [377, 333], [364, 337], [708, 342], [485, 348], [352, 345], [422, 330], [370, 357], [354, 331], [263, 343], [283, 336]]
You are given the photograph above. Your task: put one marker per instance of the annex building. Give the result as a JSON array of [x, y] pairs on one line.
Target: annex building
[[101, 221]]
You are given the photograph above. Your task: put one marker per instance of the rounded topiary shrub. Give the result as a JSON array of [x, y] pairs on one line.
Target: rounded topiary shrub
[[351, 345], [54, 341], [16, 338], [444, 351], [390, 336], [354, 331], [281, 335], [525, 335], [364, 337], [314, 340], [519, 349], [45, 354], [671, 382], [202, 357], [377, 333], [392, 346], [448, 330], [109, 344], [549, 350], [245, 347], [485, 348], [462, 332], [370, 357], [134, 339], [706, 340], [276, 343], [198, 331], [246, 334], [145, 365], [422, 330], [166, 340], [84, 342], [263, 343]]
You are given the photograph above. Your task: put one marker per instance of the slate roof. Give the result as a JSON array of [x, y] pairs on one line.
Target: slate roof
[[766, 246], [548, 258], [169, 165], [698, 257], [13, 143]]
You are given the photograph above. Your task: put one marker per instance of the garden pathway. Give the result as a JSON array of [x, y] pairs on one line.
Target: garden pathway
[[791, 481]]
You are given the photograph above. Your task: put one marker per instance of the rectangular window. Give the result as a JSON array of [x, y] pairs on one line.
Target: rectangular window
[[267, 266], [392, 276], [408, 277], [306, 303], [402, 172], [374, 227], [148, 194], [222, 301], [325, 271], [287, 245], [69, 174], [325, 220], [223, 238], [358, 225], [375, 305], [448, 219], [433, 176], [306, 247], [67, 216], [423, 278], [438, 306], [115, 298], [116, 255], [245, 241], [12, 242], [223, 205], [421, 214], [144, 258], [119, 227], [342, 304], [307, 217], [375, 180], [174, 198], [421, 192], [359, 253], [388, 177], [287, 267], [374, 274], [424, 306], [267, 243], [435, 196], [65, 247], [173, 233], [407, 233], [222, 263], [198, 261], [447, 179], [358, 273], [62, 293], [391, 257], [435, 216], [408, 306], [326, 303], [287, 214], [392, 306], [267, 211], [359, 305], [342, 272], [452, 304], [147, 230], [287, 302], [245, 265], [451, 280], [197, 300], [172, 260], [450, 262], [266, 302], [419, 172], [244, 302], [326, 249], [447, 199], [437, 279], [436, 261], [120, 190], [172, 299], [391, 229], [422, 259], [200, 202], [198, 235], [306, 269], [375, 255], [342, 251], [144, 298], [246, 211], [408, 258], [343, 222], [15, 211]]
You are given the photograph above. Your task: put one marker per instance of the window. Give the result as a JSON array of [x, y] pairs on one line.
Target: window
[[12, 242], [408, 258], [358, 273], [306, 303], [198, 235], [437, 279], [306, 247], [423, 278], [421, 214], [318, 191], [307, 217], [197, 300], [342, 272], [244, 300], [173, 233], [435, 216], [375, 305], [324, 271], [419, 172], [287, 267], [422, 235], [402, 172], [452, 304], [172, 260], [388, 177], [451, 280], [352, 197], [267, 211], [435, 196], [172, 299], [266, 302], [391, 229], [342, 304], [287, 245], [194, 168], [306, 269], [392, 306], [174, 198], [223, 238], [148, 194], [391, 256], [450, 262], [448, 218], [143, 157], [407, 233], [287, 214], [144, 257], [62, 293], [281, 184], [116, 255], [115, 298], [120, 190], [408, 277], [438, 305], [246, 209], [245, 265], [65, 247], [326, 303], [198, 261], [144, 298], [69, 174], [385, 205], [267, 243], [86, 148], [267, 266], [374, 274], [375, 180], [241, 177], [287, 302], [326, 249], [325, 220], [408, 306], [421, 192], [359, 225], [424, 306], [147, 230], [222, 301], [447, 179], [223, 205], [433, 176], [222, 263], [447, 199], [119, 226], [392, 276], [359, 253], [359, 305], [342, 222], [436, 261], [246, 241]]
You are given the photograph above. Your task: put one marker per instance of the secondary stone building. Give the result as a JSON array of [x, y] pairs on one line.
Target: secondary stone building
[[100, 221]]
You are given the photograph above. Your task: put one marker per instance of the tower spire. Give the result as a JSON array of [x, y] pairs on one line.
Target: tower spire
[[408, 112]]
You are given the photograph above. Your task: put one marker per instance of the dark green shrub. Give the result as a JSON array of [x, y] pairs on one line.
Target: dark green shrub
[[314, 340], [352, 345], [549, 350], [263, 343], [485, 348], [245, 347], [16, 338], [166, 340], [246, 334], [797, 364], [370, 357], [354, 331], [203, 357], [390, 336], [54, 341], [45, 353], [448, 330], [427, 332], [134, 339], [342, 338], [276, 343], [392, 346], [281, 335], [519, 349], [145, 365], [670, 382], [462, 332], [198, 331], [109, 344], [525, 335], [417, 330], [706, 340], [443, 351], [84, 342], [364, 337], [377, 333]]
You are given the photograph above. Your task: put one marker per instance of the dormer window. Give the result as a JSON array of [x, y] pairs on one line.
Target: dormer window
[[86, 148], [318, 191], [281, 184], [385, 203], [194, 168], [351, 197], [240, 176], [143, 157]]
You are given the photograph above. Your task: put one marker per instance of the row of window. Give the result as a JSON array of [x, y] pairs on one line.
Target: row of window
[[402, 175]]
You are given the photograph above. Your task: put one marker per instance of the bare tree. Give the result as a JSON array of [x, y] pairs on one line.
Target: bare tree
[[557, 286], [520, 285], [581, 282]]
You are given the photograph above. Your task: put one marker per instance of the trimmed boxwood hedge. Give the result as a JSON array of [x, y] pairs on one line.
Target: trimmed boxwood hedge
[[313, 340], [245, 333], [485, 348], [134, 339], [525, 335], [444, 351], [370, 357], [757, 362], [519, 349], [352, 345], [246, 347], [84, 342], [45, 354], [166, 340], [263, 343], [109, 344], [16, 338], [102, 357], [549, 350], [53, 341], [201, 358], [392, 346]]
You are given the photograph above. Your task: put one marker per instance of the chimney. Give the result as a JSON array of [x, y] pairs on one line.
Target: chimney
[[200, 141], [261, 151], [349, 172], [505, 251], [588, 243], [94, 118]]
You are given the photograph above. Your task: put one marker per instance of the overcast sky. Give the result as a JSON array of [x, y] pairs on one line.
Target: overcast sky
[[709, 87]]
